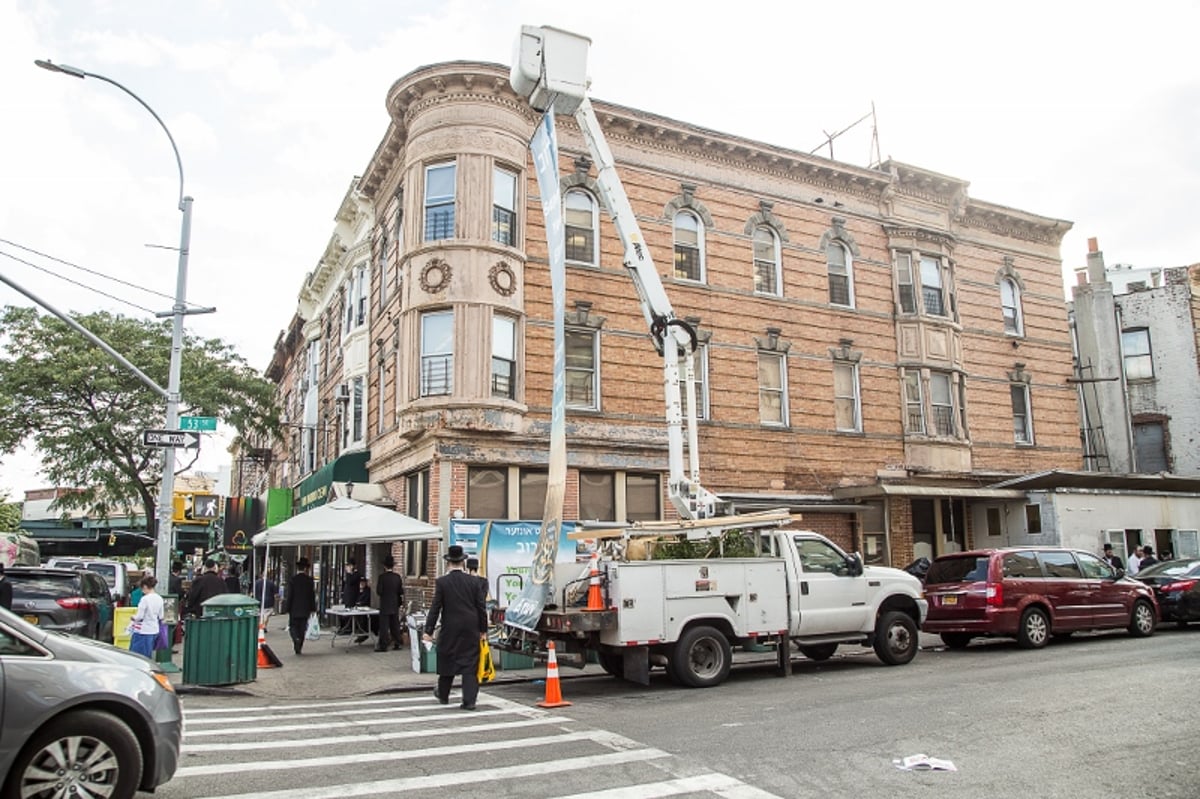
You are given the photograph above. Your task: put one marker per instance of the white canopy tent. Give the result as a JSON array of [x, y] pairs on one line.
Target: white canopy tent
[[343, 521]]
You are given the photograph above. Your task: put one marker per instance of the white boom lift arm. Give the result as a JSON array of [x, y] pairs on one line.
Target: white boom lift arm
[[550, 70]]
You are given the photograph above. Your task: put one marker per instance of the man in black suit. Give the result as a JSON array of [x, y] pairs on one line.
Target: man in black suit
[[390, 590], [460, 601], [208, 585], [349, 594], [299, 602]]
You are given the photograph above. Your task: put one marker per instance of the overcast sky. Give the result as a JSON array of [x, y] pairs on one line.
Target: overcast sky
[[1080, 111]]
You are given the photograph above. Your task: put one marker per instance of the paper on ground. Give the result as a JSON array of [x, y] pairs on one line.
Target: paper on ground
[[923, 763]]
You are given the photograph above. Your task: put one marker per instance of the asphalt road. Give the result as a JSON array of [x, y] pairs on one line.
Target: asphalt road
[[1100, 715]]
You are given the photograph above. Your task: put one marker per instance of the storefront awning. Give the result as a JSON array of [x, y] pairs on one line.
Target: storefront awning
[[902, 490], [348, 468]]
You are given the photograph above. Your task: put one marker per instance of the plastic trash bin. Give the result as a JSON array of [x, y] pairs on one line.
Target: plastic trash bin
[[424, 661], [121, 617], [221, 647]]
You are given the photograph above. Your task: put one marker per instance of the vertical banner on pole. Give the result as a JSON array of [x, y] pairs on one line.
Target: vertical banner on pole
[[525, 612]]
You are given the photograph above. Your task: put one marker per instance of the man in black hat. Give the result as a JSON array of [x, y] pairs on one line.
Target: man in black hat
[[1111, 558], [206, 586], [299, 603], [459, 601], [390, 590]]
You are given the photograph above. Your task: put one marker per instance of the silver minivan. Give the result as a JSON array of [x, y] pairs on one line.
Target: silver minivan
[[114, 572], [81, 718]]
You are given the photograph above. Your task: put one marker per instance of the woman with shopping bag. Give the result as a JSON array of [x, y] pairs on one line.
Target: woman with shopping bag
[[299, 603], [147, 621]]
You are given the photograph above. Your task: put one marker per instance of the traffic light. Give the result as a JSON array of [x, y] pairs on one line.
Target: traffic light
[[193, 508]]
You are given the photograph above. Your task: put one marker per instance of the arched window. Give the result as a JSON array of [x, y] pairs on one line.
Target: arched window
[[580, 227], [689, 246], [766, 261], [1010, 304], [841, 274]]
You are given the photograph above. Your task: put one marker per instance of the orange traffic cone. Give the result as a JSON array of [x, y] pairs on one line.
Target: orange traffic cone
[[266, 658], [553, 690], [595, 601]]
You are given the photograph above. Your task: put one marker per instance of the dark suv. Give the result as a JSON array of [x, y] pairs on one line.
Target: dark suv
[[1031, 593], [67, 600]]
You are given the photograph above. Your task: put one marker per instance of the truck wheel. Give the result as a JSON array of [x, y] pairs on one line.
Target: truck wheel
[[96, 751], [956, 640], [701, 659], [896, 638], [613, 664], [1034, 629], [817, 651], [1142, 622]]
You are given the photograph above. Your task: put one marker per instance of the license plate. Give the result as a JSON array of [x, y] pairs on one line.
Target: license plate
[[31, 619], [950, 600]]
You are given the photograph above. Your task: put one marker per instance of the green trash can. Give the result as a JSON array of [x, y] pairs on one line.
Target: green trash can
[[221, 647]]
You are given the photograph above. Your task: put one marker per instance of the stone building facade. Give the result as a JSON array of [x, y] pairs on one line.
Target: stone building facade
[[876, 346]]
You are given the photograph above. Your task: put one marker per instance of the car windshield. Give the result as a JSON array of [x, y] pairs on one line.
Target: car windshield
[[965, 569], [43, 586], [1171, 568], [105, 570]]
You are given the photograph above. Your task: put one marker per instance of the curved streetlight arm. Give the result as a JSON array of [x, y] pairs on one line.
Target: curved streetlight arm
[[76, 72]]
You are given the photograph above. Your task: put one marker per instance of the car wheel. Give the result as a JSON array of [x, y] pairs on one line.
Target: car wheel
[[702, 658], [1034, 630], [85, 753], [956, 640], [613, 664], [817, 651], [1142, 622], [896, 638]]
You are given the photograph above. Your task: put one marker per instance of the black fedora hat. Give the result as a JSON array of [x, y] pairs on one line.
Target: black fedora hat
[[455, 554]]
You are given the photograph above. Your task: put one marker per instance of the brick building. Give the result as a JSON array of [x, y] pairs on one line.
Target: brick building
[[876, 346]]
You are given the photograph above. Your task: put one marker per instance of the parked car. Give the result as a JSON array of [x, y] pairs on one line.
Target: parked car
[[1176, 585], [114, 572], [72, 601], [81, 718], [1032, 593]]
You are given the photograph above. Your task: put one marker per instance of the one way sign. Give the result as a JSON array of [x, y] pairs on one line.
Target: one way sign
[[179, 439]]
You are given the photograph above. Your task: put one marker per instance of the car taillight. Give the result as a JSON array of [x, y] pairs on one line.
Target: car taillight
[[995, 594], [74, 603], [1179, 585]]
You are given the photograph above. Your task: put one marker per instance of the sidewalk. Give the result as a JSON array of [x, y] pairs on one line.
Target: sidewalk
[[346, 669]]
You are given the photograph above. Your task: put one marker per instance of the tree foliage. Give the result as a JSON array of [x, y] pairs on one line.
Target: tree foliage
[[10, 516], [85, 413]]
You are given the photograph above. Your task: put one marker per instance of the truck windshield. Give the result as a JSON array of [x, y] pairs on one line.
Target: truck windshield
[[967, 569]]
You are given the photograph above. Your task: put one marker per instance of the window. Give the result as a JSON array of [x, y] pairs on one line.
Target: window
[[439, 201], [904, 278], [383, 266], [580, 219], [914, 404], [766, 261], [583, 390], [841, 274], [1010, 305], [360, 294], [381, 426], [1150, 447], [689, 246], [941, 403], [504, 206], [352, 428], [533, 493], [416, 553], [772, 387], [846, 404], [1094, 568], [437, 353], [642, 497], [504, 356], [700, 373], [932, 294], [1033, 519], [1021, 566], [597, 496], [995, 527], [819, 556], [1135, 344], [1060, 565], [487, 492], [1022, 425]]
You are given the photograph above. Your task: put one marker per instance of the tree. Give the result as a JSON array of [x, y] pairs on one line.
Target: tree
[[85, 413], [10, 515]]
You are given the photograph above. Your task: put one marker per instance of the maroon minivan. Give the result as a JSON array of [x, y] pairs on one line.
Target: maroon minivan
[[1032, 593]]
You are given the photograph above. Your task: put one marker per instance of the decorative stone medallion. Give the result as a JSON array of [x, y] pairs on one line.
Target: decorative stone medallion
[[503, 279], [435, 276]]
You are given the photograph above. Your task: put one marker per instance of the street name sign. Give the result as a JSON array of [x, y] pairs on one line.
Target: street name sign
[[171, 439], [207, 423]]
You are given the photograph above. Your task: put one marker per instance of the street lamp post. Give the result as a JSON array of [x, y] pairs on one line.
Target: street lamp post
[[162, 562]]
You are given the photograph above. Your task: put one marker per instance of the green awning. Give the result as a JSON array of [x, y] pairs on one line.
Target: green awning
[[349, 468]]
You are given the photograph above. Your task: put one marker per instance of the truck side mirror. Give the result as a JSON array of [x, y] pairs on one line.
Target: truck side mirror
[[854, 566]]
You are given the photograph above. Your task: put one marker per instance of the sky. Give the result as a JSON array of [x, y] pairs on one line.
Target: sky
[[1057, 108]]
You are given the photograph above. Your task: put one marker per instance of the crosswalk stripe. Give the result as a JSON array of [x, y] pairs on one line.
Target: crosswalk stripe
[[241, 711], [228, 731], [443, 780], [245, 767], [425, 732], [720, 784], [366, 711]]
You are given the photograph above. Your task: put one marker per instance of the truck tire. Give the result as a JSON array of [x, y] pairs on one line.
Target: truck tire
[[613, 664], [896, 638], [701, 659], [817, 651]]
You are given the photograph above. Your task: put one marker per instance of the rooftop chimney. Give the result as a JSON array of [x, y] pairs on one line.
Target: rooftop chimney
[[1095, 264]]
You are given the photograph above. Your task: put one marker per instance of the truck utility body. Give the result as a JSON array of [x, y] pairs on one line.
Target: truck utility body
[[687, 615]]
